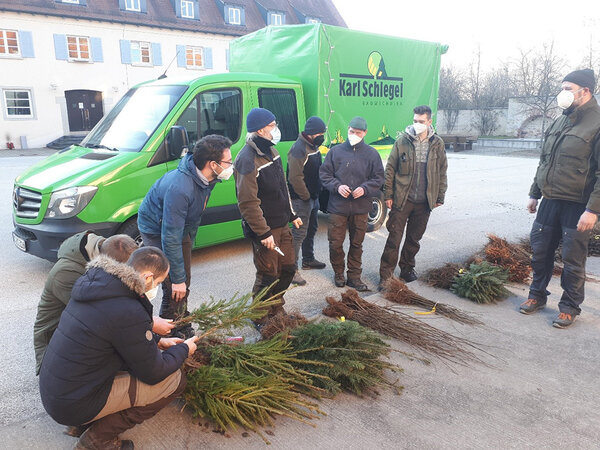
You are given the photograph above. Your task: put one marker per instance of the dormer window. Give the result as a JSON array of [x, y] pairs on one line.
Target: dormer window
[[187, 9], [276, 18], [133, 5], [73, 2], [312, 20], [234, 16]]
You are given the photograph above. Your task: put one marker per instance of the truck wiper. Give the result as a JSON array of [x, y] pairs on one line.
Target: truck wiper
[[102, 146]]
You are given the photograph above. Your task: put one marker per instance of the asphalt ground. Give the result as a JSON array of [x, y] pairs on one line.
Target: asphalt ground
[[535, 388]]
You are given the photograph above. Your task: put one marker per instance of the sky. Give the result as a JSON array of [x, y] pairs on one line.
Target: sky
[[498, 28]]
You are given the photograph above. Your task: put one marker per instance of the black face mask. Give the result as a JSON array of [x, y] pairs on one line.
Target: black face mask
[[317, 141]]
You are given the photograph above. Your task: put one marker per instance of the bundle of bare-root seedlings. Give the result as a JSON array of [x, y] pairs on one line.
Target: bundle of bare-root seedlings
[[247, 385], [396, 291], [282, 322], [512, 257], [403, 327], [442, 277]]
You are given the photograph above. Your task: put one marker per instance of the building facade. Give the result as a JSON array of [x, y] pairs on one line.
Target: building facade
[[65, 63]]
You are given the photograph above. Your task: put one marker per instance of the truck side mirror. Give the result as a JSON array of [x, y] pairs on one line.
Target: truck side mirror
[[177, 142]]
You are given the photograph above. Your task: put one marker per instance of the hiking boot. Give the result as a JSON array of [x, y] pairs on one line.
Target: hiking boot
[[564, 320], [298, 279], [91, 441], [184, 333], [339, 280], [313, 264], [77, 431], [357, 284], [409, 275], [530, 306]]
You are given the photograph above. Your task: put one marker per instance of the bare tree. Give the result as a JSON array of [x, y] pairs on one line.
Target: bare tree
[[536, 78], [486, 121], [451, 96]]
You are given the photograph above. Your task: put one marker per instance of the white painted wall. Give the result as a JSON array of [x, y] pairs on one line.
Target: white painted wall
[[49, 78]]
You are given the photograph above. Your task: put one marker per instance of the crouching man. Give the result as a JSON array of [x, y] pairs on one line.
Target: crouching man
[[103, 370]]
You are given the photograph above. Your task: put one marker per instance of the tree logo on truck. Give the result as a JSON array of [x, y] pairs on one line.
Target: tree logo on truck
[[376, 85]]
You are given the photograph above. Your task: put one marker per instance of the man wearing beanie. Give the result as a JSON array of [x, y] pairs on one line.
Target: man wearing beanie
[[567, 179], [352, 173], [304, 161], [265, 206]]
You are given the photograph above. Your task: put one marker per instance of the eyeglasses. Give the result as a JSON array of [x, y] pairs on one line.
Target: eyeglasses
[[226, 162]]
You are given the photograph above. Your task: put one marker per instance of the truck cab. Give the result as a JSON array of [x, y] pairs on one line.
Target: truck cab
[[99, 184]]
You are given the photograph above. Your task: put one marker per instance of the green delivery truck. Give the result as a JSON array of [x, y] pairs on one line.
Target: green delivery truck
[[295, 71]]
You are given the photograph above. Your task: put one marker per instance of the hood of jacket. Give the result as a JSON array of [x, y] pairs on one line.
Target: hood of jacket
[[107, 278], [81, 247], [187, 166], [410, 131]]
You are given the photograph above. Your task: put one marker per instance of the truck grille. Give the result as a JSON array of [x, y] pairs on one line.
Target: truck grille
[[26, 203]]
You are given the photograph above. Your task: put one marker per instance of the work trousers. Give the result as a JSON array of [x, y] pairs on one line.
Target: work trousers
[[304, 236], [413, 217], [169, 308], [356, 225], [271, 266], [558, 219]]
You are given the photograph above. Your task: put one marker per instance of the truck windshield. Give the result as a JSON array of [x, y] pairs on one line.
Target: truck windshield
[[134, 118]]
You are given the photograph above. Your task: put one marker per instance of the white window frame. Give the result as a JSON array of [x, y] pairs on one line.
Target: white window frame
[[276, 17], [312, 20], [6, 53], [140, 45], [234, 16], [195, 50], [5, 105], [130, 5], [187, 9], [74, 2], [78, 41]]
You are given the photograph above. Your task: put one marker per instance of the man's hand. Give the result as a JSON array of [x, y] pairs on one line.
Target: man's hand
[[344, 191], [358, 192], [389, 203], [269, 242], [178, 291], [532, 205], [191, 343], [162, 326], [165, 343], [587, 221], [437, 205], [298, 222]]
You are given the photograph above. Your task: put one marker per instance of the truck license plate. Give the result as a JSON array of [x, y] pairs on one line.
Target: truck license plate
[[20, 243]]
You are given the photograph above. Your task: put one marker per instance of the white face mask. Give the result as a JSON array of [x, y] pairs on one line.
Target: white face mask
[[275, 135], [151, 294], [419, 128], [225, 173], [354, 139], [565, 98]]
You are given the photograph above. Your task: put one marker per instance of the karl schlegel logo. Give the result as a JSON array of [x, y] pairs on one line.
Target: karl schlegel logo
[[376, 85]]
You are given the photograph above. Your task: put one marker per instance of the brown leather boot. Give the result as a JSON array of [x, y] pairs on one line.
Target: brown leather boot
[[91, 440]]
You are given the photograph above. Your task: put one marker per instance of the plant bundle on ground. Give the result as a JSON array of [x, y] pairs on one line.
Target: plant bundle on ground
[[404, 328], [232, 398], [396, 291], [442, 277], [282, 322], [512, 257], [482, 283], [354, 356]]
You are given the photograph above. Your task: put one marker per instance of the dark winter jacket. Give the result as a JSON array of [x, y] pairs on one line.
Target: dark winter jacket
[[401, 169], [261, 188], [304, 161], [358, 166], [73, 254], [569, 163], [105, 328], [173, 209]]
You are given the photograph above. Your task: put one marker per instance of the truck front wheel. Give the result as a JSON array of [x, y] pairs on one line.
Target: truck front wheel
[[378, 213], [130, 228]]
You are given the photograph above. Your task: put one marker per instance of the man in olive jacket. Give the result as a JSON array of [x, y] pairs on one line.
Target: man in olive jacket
[[352, 173], [415, 184], [73, 255], [568, 179]]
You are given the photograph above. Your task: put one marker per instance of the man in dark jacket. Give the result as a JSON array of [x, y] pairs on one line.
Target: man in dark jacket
[[415, 184], [352, 173], [304, 161], [103, 367], [73, 255], [568, 179], [171, 212], [265, 206]]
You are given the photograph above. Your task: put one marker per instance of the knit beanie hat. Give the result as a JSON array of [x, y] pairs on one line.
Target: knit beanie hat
[[358, 123], [583, 78], [314, 125], [258, 118]]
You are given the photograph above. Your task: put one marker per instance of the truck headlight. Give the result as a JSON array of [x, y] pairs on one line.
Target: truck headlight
[[69, 202]]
